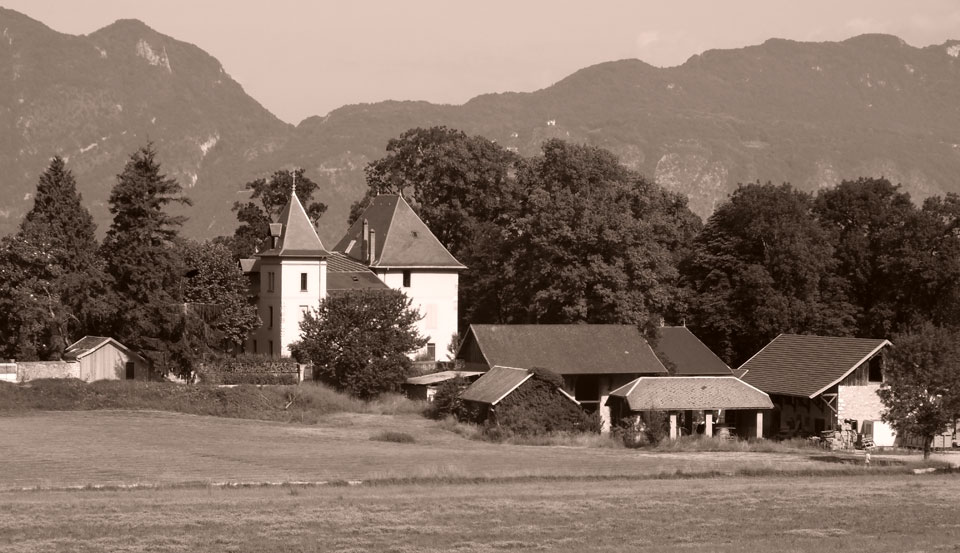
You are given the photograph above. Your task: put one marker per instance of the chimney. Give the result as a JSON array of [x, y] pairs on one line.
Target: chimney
[[363, 241], [373, 246], [275, 230]]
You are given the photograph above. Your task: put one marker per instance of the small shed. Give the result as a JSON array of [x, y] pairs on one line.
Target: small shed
[[425, 387], [103, 358], [498, 383], [708, 394]]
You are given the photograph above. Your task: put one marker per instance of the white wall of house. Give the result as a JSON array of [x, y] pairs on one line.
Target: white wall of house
[[434, 294], [862, 403], [284, 298]]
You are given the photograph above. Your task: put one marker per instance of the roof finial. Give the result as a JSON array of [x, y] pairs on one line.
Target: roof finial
[[293, 188]]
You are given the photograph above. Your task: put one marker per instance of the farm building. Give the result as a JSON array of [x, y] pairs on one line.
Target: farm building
[[592, 359], [102, 358], [818, 382], [740, 405], [595, 360]]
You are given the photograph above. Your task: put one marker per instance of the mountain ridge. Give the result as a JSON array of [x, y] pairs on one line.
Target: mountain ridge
[[807, 113]]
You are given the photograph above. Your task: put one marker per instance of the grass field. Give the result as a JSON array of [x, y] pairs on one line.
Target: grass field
[[890, 513], [78, 448], [438, 492]]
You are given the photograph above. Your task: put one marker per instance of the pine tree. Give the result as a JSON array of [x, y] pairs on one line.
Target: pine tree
[[54, 282], [142, 257]]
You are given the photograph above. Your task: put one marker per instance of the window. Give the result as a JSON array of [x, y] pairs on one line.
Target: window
[[303, 282], [406, 279], [271, 347], [271, 317], [270, 281], [255, 346], [876, 369], [432, 351]]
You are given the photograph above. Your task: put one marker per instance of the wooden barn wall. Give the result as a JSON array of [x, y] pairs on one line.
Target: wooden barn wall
[[109, 363]]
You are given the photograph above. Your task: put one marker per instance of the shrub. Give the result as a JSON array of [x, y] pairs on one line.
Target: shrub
[[539, 407], [641, 430], [446, 400], [395, 437]]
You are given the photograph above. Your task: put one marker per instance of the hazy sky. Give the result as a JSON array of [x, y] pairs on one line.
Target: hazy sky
[[302, 58]]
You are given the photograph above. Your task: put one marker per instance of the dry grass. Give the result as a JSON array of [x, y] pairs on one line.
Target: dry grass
[[79, 448], [307, 403], [902, 513]]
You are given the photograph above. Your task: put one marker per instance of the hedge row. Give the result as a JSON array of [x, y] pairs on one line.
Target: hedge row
[[249, 369]]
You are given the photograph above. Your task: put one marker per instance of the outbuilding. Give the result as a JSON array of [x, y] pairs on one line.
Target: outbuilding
[[103, 358]]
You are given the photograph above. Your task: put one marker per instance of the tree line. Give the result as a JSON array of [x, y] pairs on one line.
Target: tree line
[[169, 298], [566, 236]]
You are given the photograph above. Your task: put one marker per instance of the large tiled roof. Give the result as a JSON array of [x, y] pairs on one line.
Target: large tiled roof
[[298, 238], [344, 273], [806, 366], [687, 355], [495, 384], [695, 393], [402, 239], [567, 349]]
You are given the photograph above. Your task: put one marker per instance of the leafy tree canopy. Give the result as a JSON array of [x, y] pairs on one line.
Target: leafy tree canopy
[[921, 389], [267, 198], [358, 341], [762, 266], [216, 291]]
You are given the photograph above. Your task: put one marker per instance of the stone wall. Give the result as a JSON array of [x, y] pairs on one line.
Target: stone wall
[[32, 370], [862, 404]]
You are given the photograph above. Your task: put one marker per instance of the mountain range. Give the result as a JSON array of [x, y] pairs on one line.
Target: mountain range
[[807, 113]]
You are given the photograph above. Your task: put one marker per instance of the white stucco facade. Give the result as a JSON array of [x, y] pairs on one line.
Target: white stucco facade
[[861, 403], [433, 292], [288, 288]]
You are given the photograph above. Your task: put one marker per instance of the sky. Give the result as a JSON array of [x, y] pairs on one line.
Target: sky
[[307, 57]]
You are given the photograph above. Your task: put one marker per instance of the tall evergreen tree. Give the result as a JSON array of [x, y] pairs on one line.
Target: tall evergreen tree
[[55, 255], [142, 257]]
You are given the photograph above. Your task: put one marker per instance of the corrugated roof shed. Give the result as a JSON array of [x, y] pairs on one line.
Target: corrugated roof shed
[[806, 366], [688, 356], [441, 376], [696, 393], [298, 238], [402, 238], [567, 349], [496, 384]]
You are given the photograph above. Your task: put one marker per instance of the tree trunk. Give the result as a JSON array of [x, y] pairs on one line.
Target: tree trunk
[[926, 447]]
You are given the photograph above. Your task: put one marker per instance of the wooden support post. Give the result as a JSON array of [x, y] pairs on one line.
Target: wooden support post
[[673, 425], [708, 425], [759, 424]]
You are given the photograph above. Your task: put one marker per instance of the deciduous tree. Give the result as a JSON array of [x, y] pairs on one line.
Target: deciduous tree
[[266, 202], [762, 266], [921, 389], [358, 341]]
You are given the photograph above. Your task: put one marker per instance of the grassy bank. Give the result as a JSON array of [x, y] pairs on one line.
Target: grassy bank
[[306, 403]]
